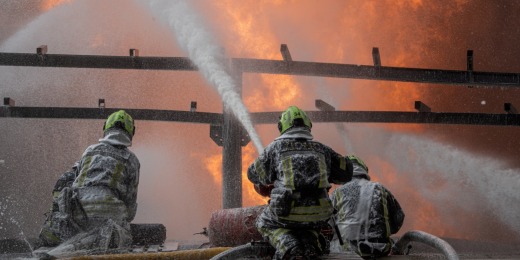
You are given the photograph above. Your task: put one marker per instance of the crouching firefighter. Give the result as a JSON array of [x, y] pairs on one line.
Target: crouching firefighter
[[367, 214], [56, 222], [296, 173], [96, 210]]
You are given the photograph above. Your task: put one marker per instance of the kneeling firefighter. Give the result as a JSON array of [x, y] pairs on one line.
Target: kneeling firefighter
[[98, 207], [367, 214], [296, 173], [51, 233]]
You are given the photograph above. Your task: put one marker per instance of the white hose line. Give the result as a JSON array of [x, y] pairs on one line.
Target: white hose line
[[428, 239]]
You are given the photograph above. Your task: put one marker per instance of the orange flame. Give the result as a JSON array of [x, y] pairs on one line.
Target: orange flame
[[358, 26], [274, 92], [49, 4], [214, 166], [254, 37]]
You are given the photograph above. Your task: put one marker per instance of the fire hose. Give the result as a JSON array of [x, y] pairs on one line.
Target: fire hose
[[263, 249], [425, 238], [257, 249]]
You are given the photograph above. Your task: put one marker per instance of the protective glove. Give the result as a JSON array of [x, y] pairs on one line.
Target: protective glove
[[264, 190]]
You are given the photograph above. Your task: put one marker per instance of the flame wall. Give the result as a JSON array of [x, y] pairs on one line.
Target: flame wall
[[180, 180], [424, 34]]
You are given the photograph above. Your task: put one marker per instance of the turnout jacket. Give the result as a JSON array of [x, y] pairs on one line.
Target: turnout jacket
[[107, 179], [366, 210], [300, 172]]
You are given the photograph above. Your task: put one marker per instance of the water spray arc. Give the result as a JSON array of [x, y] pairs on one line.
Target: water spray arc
[[323, 106], [207, 56]]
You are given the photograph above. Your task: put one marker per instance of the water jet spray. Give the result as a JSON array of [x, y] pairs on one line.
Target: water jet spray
[[207, 56]]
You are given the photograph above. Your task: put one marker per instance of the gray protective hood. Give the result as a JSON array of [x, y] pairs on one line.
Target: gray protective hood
[[116, 137], [296, 133]]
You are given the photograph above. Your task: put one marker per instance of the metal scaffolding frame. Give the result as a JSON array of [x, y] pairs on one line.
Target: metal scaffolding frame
[[225, 128]]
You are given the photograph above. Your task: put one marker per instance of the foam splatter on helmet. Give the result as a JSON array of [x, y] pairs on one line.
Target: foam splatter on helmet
[[290, 116], [122, 120]]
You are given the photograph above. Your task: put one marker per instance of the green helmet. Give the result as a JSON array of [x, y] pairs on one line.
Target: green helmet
[[360, 168], [120, 119], [289, 116]]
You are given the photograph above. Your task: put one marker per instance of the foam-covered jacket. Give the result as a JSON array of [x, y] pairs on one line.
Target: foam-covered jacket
[[301, 172], [108, 178], [366, 210]]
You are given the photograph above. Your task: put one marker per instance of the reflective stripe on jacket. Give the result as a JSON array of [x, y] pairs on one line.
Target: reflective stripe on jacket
[[366, 210], [306, 168], [108, 179]]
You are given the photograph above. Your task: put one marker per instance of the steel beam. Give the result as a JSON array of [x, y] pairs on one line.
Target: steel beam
[[95, 61], [103, 113], [397, 117], [451, 77], [216, 119]]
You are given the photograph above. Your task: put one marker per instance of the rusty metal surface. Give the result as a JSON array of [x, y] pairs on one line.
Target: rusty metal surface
[[234, 227]]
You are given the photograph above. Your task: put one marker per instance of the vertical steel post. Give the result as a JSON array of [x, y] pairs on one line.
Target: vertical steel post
[[232, 154]]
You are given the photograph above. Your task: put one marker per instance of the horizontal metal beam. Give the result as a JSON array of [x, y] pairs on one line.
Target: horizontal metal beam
[[97, 113], [96, 61], [397, 117], [268, 117], [452, 77]]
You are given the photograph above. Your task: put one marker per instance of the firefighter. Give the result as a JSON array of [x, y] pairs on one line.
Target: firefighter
[[296, 173], [50, 232], [101, 202], [367, 214]]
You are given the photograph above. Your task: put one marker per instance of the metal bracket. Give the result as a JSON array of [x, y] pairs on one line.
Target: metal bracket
[[470, 78], [510, 109], [101, 103], [421, 107], [376, 57], [285, 53], [5, 109], [134, 52], [377, 60], [8, 101], [42, 50], [215, 132], [323, 106]]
